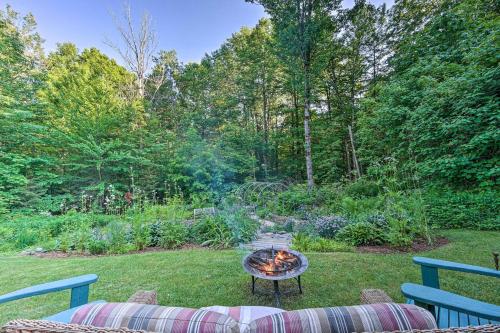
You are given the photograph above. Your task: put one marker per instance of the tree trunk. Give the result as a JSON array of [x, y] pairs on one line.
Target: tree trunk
[[354, 157], [296, 135], [265, 113], [348, 159], [328, 102], [265, 119], [307, 130]]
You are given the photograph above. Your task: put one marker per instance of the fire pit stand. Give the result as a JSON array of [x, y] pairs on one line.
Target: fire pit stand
[[275, 265]]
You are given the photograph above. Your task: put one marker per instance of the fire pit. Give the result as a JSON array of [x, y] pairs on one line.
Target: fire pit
[[275, 265]]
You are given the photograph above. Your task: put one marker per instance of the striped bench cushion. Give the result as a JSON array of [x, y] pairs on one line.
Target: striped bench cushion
[[154, 318], [347, 319], [244, 315]]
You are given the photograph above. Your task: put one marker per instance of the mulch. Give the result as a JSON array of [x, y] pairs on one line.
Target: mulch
[[419, 245], [59, 254]]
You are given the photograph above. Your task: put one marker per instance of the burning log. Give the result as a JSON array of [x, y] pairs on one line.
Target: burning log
[[273, 262]]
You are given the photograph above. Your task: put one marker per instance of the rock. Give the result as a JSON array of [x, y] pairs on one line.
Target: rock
[[278, 218], [267, 224], [40, 250], [27, 253], [204, 212], [254, 217]]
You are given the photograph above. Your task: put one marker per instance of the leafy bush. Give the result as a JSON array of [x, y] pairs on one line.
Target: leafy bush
[[6, 237], [212, 231], [174, 210], [361, 234], [100, 220], [296, 197], [328, 226], [79, 239], [140, 235], [173, 234], [363, 188], [352, 207], [400, 232], [26, 237], [97, 244], [116, 238], [242, 227], [155, 233], [305, 243], [378, 221], [473, 210]]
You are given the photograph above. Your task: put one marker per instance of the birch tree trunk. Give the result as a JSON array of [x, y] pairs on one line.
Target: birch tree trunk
[[354, 156], [307, 129]]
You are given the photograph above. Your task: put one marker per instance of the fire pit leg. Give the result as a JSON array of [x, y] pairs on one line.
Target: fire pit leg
[[300, 285], [277, 294], [253, 285]]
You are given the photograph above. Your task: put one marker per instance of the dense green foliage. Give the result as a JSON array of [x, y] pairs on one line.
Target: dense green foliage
[[438, 113], [464, 209], [402, 107], [161, 226]]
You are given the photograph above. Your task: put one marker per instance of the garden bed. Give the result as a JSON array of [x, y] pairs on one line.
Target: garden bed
[[419, 245], [61, 254]]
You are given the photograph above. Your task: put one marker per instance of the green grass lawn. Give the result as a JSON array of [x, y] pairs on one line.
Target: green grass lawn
[[195, 278]]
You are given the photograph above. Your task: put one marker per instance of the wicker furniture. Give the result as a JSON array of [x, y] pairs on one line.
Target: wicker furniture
[[144, 297], [41, 326], [373, 296]]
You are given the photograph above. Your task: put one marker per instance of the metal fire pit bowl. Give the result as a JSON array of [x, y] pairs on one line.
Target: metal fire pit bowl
[[294, 271]]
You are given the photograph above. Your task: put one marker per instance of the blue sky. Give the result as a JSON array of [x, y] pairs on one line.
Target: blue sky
[[191, 27]]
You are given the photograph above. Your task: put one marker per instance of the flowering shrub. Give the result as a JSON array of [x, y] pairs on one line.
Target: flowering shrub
[[329, 226], [378, 221], [357, 234]]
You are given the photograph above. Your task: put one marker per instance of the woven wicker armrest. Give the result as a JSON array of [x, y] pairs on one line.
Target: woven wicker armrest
[[144, 297], [44, 326], [373, 296]]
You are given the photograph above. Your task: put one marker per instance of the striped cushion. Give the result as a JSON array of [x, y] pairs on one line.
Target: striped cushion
[[153, 318], [346, 319], [244, 315]]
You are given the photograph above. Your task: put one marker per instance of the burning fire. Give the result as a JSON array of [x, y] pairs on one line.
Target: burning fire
[[274, 262], [282, 256]]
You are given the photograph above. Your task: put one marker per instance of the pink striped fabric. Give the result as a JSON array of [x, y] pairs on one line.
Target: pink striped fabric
[[347, 319], [154, 318], [244, 315]]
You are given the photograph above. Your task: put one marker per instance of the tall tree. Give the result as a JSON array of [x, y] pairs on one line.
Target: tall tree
[[299, 24], [92, 117], [25, 168], [139, 45]]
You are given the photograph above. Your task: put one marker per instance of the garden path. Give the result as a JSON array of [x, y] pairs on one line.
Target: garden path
[[265, 240]]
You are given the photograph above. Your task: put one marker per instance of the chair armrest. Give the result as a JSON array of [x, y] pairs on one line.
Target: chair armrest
[[431, 296], [79, 289], [44, 326], [454, 266]]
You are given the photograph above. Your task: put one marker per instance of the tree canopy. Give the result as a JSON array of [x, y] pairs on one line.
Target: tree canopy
[[316, 94]]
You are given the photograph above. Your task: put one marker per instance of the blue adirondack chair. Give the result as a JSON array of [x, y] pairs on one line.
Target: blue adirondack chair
[[449, 309], [79, 294]]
